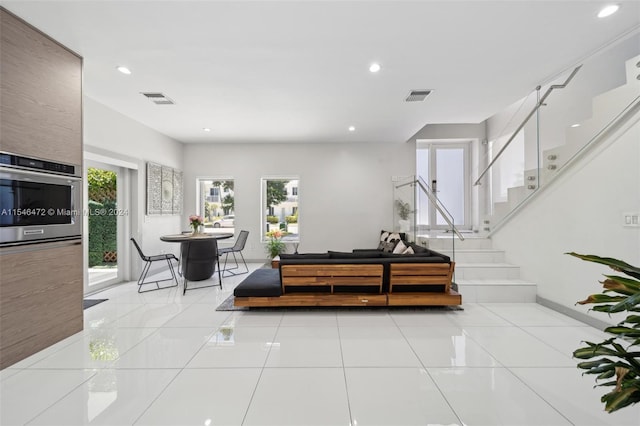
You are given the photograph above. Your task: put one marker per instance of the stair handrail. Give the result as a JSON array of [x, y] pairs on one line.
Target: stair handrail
[[448, 217], [627, 113], [527, 118]]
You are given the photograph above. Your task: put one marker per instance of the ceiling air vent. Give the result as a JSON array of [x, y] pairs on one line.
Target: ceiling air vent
[[158, 98], [417, 95]]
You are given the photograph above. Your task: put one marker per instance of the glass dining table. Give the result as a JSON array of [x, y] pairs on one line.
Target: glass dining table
[[198, 256]]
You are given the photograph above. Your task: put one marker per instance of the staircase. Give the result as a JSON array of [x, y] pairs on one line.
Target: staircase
[[481, 272], [606, 108]]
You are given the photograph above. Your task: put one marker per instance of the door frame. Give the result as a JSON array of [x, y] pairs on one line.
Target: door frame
[[433, 146], [124, 203]]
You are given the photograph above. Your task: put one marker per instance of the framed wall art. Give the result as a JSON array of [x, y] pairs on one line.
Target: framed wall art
[[164, 189]]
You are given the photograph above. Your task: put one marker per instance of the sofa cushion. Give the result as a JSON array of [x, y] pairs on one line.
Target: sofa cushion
[[418, 249], [304, 256], [354, 255], [263, 282]]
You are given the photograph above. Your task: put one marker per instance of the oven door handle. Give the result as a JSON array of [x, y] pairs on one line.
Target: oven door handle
[[11, 173]]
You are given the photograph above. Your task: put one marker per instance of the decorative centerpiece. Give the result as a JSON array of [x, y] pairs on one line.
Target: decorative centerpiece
[[196, 223], [275, 245]]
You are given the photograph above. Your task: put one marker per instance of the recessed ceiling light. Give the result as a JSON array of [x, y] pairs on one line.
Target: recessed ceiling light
[[124, 70], [375, 67], [575, 125], [206, 129], [352, 128], [608, 10]]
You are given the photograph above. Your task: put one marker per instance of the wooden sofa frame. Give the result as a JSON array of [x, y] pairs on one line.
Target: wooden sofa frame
[[339, 285]]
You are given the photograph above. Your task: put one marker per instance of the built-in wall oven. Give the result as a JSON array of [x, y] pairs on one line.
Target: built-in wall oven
[[39, 200]]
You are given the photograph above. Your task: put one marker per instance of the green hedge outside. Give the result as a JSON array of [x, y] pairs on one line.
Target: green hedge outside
[[102, 230]]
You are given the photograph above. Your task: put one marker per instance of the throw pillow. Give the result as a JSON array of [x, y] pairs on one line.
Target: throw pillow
[[387, 247], [387, 237], [408, 250], [400, 248]]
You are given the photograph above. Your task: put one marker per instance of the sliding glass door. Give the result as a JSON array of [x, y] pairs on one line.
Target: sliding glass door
[[107, 222]]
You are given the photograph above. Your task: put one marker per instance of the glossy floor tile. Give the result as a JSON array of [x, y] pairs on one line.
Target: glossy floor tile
[[494, 396], [396, 396], [447, 347], [161, 358], [514, 347], [376, 347], [568, 390], [235, 347], [299, 396], [204, 397], [306, 347], [110, 397]]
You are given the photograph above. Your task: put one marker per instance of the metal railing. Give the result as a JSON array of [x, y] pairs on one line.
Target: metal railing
[[526, 120], [433, 198]]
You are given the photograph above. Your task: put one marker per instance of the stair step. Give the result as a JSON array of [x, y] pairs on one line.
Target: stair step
[[475, 255], [496, 290], [445, 242], [516, 194], [482, 275], [500, 271]]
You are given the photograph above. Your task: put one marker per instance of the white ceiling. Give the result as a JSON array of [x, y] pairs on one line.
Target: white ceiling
[[297, 71]]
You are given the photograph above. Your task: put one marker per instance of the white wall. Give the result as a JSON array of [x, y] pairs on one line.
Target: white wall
[[580, 211], [345, 190], [109, 133]]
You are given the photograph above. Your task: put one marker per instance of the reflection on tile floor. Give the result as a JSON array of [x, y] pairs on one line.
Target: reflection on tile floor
[[161, 358]]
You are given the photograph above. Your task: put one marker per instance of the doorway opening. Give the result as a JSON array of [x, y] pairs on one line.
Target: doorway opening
[[107, 221], [445, 167]]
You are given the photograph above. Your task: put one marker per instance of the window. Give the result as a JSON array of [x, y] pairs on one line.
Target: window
[[216, 204], [280, 207]]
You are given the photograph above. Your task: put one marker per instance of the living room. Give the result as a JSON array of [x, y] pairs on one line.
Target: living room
[[346, 198]]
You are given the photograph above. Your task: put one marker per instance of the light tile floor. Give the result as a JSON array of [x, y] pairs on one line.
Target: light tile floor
[[162, 358]]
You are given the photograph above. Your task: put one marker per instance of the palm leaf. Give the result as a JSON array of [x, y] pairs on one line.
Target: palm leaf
[[623, 331], [586, 353], [622, 285], [615, 264], [633, 319], [610, 358], [602, 298], [619, 399], [630, 302]]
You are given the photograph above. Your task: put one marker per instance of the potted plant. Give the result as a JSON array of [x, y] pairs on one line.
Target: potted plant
[[275, 245], [617, 359], [404, 209]]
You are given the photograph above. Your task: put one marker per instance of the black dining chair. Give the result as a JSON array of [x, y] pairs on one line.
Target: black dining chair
[[237, 248], [199, 262], [169, 257]]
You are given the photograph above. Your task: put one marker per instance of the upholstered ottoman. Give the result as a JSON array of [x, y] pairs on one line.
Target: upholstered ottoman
[[260, 283]]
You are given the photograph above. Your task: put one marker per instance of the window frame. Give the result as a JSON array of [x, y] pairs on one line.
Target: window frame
[[264, 209], [200, 206]]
